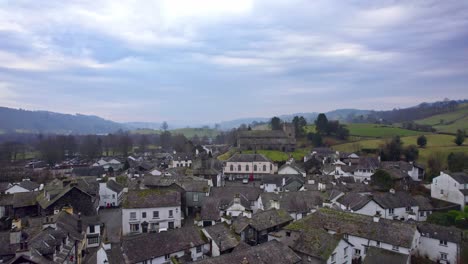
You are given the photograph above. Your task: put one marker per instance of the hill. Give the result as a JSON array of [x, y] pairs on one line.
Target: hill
[[24, 121], [448, 122]]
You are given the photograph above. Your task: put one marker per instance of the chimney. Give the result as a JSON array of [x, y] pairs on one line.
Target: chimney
[[376, 217], [79, 224], [237, 199]]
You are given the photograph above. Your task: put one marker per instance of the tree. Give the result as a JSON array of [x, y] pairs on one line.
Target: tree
[[457, 162], [342, 132], [411, 153], [460, 137], [275, 123], [316, 139], [434, 164], [321, 124], [299, 123], [143, 143], [165, 139], [392, 150], [382, 180], [164, 126], [422, 141]]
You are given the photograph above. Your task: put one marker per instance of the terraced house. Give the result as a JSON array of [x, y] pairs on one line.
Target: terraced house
[[151, 210]]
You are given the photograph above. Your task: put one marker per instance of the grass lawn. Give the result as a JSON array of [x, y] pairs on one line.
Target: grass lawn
[[274, 155]]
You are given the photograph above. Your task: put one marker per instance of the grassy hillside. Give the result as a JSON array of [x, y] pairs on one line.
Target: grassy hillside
[[379, 131], [436, 143], [449, 122], [274, 155]]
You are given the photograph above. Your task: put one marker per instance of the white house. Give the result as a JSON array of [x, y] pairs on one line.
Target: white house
[[23, 186], [291, 168], [389, 205], [240, 166], [451, 187], [151, 210], [106, 163], [366, 168], [439, 243], [417, 172], [110, 193], [181, 160]]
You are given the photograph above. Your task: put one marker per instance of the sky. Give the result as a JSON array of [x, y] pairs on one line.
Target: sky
[[214, 60]]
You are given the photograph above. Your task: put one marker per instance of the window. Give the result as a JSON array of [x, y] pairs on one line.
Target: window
[[443, 242], [155, 214], [134, 227], [421, 213], [443, 256], [171, 215], [154, 226], [255, 167], [345, 251], [288, 233], [195, 197], [441, 191], [357, 252], [143, 215], [264, 167], [239, 168], [391, 211], [408, 209], [133, 215], [271, 167], [93, 240], [91, 229], [377, 243], [113, 196], [395, 248], [346, 236], [366, 248], [247, 167], [168, 256], [333, 257], [231, 168], [198, 249]]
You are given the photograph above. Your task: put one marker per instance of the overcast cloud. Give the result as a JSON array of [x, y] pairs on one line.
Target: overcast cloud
[[213, 60]]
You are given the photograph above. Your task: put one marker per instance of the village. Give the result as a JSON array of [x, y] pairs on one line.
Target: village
[[166, 206]]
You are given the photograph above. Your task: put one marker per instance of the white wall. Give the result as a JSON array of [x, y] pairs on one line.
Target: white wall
[[107, 196], [431, 248], [340, 256], [101, 257], [16, 189], [243, 170], [163, 219], [180, 254], [446, 188], [181, 163]]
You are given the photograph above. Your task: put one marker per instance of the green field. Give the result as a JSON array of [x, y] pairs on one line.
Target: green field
[[449, 122], [436, 143], [379, 131]]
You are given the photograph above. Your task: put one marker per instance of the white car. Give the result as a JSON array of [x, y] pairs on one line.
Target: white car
[[245, 181]]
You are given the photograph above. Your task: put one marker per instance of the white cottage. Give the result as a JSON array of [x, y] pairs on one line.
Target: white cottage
[[110, 194], [451, 187]]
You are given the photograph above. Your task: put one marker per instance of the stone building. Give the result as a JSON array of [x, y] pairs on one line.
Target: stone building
[[284, 140]]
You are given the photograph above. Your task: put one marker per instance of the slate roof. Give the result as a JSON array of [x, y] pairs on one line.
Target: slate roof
[[317, 243], [460, 177], [438, 232], [114, 186], [272, 252], [354, 201], [88, 171], [151, 198], [278, 178], [4, 186], [182, 156], [226, 194], [387, 231], [367, 163], [223, 236], [381, 256], [293, 166], [298, 202], [248, 158], [263, 220], [29, 185], [24, 199], [151, 245], [423, 202], [210, 209], [397, 200], [188, 183], [56, 195]]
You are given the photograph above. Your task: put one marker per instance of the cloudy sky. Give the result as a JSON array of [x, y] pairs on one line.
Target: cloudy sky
[[213, 60]]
